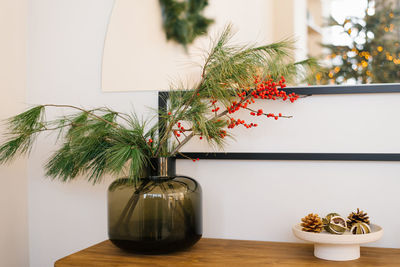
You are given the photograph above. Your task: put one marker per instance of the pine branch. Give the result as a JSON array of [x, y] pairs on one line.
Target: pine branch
[[102, 141], [223, 39], [90, 113], [228, 67]]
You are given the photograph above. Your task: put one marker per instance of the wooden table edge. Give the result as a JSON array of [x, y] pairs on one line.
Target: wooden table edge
[[301, 245]]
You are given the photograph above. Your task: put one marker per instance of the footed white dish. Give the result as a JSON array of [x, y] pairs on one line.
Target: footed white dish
[[338, 247]]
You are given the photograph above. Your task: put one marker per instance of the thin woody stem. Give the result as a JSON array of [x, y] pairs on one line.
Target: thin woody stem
[[183, 155], [187, 104], [90, 113], [255, 111], [221, 114], [177, 139], [174, 120], [44, 128], [184, 130], [184, 141], [131, 204]]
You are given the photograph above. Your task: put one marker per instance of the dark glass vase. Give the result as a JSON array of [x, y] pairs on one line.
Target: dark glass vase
[[161, 213]]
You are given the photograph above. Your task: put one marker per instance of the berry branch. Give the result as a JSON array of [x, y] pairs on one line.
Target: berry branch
[[102, 141], [263, 89]]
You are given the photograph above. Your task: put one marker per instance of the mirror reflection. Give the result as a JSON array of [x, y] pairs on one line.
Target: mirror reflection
[[357, 41]]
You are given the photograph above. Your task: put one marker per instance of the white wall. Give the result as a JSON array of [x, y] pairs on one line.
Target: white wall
[[258, 200], [13, 180], [65, 42]]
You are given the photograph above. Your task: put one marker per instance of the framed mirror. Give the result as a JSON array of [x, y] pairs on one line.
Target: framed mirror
[[352, 111]]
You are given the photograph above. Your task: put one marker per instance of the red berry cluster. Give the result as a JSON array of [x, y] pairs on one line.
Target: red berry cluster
[[236, 106], [264, 89], [177, 134], [269, 115], [222, 133], [233, 123], [180, 130], [267, 89]]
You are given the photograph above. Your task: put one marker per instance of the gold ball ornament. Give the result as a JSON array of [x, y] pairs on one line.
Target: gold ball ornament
[[358, 216], [335, 224], [360, 228]]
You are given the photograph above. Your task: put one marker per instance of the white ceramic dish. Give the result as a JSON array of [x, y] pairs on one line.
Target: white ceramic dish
[[338, 247]]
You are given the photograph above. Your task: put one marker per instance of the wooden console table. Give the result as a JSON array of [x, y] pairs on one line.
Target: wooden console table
[[224, 252]]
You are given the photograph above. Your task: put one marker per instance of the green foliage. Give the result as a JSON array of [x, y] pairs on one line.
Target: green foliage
[[230, 66], [227, 69], [103, 141], [21, 133], [373, 55], [95, 147], [183, 20], [96, 142]]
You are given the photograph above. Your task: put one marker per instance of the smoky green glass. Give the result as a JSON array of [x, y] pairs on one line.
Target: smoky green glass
[[161, 213]]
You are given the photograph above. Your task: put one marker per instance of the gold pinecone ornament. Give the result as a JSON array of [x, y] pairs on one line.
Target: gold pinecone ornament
[[356, 217], [312, 223]]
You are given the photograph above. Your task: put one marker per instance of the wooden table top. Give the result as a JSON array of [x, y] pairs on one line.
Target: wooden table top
[[224, 252]]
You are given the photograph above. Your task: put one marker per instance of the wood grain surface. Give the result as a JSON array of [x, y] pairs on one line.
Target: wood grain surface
[[224, 252]]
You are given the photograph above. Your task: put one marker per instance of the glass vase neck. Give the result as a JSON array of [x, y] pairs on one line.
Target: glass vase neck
[[162, 167]]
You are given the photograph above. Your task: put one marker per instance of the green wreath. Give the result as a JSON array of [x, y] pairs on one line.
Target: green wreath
[[183, 20]]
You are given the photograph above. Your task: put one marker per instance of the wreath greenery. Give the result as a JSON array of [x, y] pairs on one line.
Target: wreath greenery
[[183, 20]]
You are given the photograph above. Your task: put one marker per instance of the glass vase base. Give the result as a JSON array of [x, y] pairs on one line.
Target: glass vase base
[[155, 247]]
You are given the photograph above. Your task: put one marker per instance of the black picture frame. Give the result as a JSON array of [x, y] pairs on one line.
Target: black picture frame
[[306, 90]]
